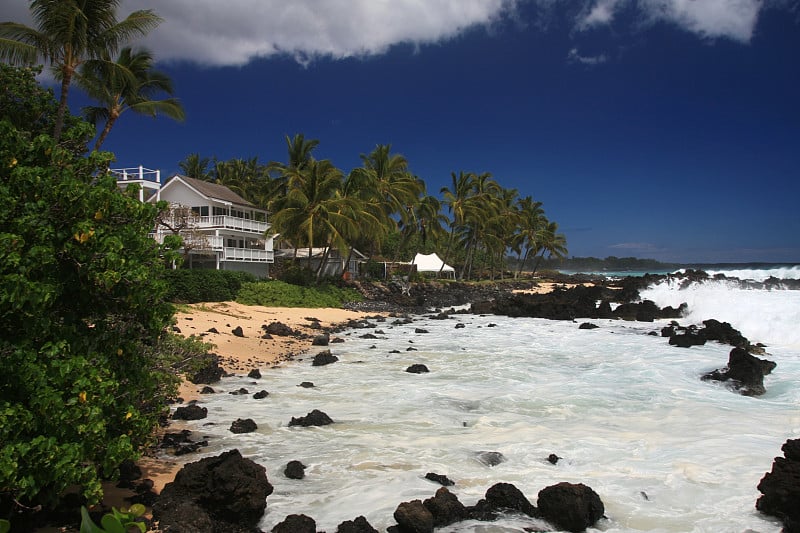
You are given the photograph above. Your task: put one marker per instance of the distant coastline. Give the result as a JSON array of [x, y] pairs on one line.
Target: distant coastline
[[634, 266]]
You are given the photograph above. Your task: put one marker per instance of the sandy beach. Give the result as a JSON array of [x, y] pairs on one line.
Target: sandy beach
[[238, 354]]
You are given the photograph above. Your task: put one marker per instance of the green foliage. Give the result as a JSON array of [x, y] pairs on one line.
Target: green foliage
[[82, 312], [281, 294], [5, 525], [192, 286], [299, 275], [117, 521]]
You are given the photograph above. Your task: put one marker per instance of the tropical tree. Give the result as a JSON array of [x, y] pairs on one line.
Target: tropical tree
[[129, 83], [531, 221], [551, 244], [389, 179], [197, 167], [69, 33]]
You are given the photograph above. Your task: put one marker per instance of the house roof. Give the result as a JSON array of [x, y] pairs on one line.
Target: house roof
[[210, 190]]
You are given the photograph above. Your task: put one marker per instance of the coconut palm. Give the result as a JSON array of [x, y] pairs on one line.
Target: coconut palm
[[551, 243], [531, 218], [387, 175], [129, 83], [196, 167], [69, 33]]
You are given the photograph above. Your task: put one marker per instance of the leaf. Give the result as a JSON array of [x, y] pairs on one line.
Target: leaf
[[87, 526], [111, 524]]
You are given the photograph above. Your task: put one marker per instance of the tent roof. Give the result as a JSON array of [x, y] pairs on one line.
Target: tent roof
[[431, 263]]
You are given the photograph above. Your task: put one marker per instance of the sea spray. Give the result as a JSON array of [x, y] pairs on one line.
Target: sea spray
[[768, 316]]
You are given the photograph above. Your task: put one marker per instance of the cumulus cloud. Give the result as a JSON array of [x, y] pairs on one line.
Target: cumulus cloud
[[731, 19], [233, 33]]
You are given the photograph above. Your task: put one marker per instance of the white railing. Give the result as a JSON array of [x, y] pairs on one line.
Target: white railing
[[137, 174], [251, 255], [229, 222]]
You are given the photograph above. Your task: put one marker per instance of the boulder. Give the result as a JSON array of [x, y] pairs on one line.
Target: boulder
[[324, 358], [413, 517], [246, 425], [210, 373], [314, 418], [296, 523], [359, 525], [440, 479], [260, 395], [417, 369], [278, 328], [490, 458], [237, 331], [745, 371], [321, 340], [190, 412], [780, 488], [207, 390], [222, 493], [445, 508], [570, 506], [254, 374], [588, 325], [295, 470]]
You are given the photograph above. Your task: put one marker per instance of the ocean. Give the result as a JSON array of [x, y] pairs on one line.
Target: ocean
[[626, 412]]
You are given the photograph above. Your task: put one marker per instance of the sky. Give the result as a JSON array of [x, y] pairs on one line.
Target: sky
[[663, 129]]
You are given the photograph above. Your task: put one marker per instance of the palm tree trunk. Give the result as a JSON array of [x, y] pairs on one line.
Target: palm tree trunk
[[447, 250], [62, 104], [106, 129]]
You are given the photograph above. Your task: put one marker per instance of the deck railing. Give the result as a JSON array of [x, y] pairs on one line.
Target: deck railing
[[230, 222]]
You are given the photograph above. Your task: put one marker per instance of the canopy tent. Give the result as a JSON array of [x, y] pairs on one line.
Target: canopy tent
[[432, 263]]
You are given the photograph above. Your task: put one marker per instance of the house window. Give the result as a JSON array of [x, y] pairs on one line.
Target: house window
[[218, 211], [201, 210]]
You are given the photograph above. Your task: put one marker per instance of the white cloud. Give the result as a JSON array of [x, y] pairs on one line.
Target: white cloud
[[731, 19], [602, 12], [575, 57], [233, 32]]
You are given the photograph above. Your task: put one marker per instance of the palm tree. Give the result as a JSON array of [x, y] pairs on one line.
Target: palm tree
[[551, 243], [456, 200], [299, 151], [196, 167], [69, 33], [531, 217], [388, 176], [129, 83]]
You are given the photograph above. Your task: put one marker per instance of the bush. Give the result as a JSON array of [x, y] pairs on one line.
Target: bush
[[281, 294], [192, 286], [82, 315]]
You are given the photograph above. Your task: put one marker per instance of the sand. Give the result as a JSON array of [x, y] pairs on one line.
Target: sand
[[238, 354]]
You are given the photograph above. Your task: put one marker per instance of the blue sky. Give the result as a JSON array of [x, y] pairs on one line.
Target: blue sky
[[667, 129]]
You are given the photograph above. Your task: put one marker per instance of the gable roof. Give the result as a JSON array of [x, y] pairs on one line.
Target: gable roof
[[212, 191]]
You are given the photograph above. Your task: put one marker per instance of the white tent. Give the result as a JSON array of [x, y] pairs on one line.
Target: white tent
[[431, 263]]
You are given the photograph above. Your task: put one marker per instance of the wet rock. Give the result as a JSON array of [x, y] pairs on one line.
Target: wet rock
[[445, 508], [414, 517], [440, 479], [780, 488], [321, 340], [359, 525], [499, 498], [207, 390], [460, 325], [686, 340], [588, 325], [490, 458], [296, 523], [190, 412], [295, 470], [745, 372], [324, 358], [306, 385], [212, 330], [570, 506], [254, 374], [421, 330], [553, 458], [417, 369], [314, 418], [239, 392], [222, 493], [260, 395], [243, 425]]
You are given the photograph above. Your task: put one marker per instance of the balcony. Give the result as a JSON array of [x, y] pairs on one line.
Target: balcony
[[249, 255], [229, 222]]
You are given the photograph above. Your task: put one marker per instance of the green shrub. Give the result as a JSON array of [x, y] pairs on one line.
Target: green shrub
[[82, 313], [299, 275], [281, 294], [193, 286]]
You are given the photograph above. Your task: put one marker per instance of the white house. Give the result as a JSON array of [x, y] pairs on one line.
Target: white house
[[220, 229]]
